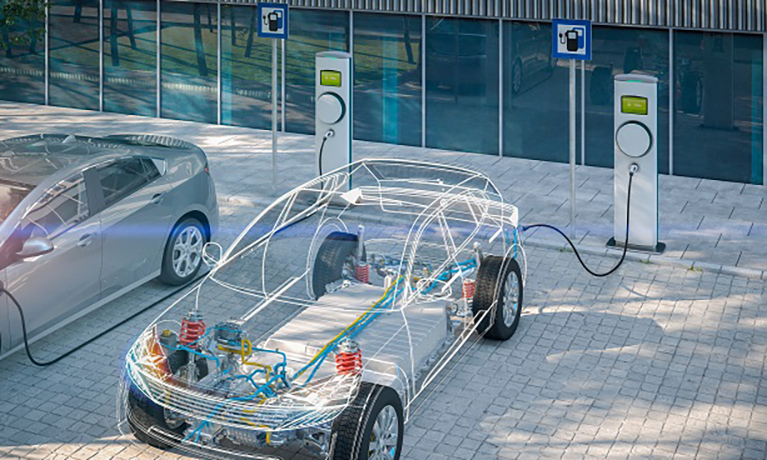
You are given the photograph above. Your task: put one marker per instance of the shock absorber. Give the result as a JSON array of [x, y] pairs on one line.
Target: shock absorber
[[192, 329], [363, 269], [348, 358], [468, 288]]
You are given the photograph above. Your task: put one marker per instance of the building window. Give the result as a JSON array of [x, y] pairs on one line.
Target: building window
[[189, 69], [74, 54], [130, 57], [246, 69], [535, 94], [22, 63], [718, 120], [462, 84], [311, 31], [387, 78], [622, 51]]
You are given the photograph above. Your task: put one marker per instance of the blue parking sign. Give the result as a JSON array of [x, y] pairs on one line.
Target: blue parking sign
[[571, 39], [273, 20]]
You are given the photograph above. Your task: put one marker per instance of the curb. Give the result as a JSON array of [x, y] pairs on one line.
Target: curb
[[692, 265]]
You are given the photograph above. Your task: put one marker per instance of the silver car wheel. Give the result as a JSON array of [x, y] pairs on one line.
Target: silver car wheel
[[511, 299], [187, 251], [383, 440]]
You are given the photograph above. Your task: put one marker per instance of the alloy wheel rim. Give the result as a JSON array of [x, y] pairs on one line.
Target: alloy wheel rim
[[383, 440], [187, 251], [511, 299]]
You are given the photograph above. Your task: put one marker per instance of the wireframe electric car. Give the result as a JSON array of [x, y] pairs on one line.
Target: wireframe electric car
[[330, 315], [84, 220]]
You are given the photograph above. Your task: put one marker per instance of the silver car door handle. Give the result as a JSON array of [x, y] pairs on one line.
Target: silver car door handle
[[157, 198], [86, 240]]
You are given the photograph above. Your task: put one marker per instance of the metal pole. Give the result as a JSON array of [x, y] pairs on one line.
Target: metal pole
[[572, 148], [158, 60], [423, 80], [671, 94], [101, 55], [47, 56], [282, 86], [764, 111], [218, 61], [583, 112], [274, 117], [500, 87]]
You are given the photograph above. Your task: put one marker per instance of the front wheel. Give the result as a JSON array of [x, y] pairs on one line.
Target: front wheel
[[371, 427], [183, 253], [499, 290]]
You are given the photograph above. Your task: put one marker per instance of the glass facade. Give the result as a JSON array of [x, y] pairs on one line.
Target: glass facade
[[387, 78], [718, 119], [535, 94], [73, 57], [246, 70], [462, 84], [448, 74], [130, 57], [311, 31], [620, 50], [189, 62], [22, 62]]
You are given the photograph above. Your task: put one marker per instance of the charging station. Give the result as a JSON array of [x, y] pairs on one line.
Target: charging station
[[636, 149], [333, 117]]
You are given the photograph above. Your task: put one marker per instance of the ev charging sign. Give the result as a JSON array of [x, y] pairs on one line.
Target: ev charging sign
[[571, 39], [273, 20]]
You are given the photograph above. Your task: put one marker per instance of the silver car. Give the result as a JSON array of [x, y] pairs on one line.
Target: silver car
[[85, 220]]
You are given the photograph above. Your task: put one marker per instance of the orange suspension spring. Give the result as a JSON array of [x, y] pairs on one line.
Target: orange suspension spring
[[468, 289], [349, 358], [192, 329], [363, 273]]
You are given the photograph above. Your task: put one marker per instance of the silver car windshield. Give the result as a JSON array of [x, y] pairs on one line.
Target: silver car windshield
[[11, 195]]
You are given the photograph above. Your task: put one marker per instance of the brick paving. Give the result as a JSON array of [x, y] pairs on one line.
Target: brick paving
[[657, 361]]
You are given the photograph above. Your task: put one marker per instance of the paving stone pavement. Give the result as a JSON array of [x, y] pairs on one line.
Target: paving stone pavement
[[657, 361]]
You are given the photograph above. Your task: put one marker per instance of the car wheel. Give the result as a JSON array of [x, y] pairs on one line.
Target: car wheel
[[498, 288], [336, 260], [371, 428], [182, 258], [516, 77], [152, 423]]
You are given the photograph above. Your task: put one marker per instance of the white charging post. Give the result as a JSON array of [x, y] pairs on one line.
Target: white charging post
[[333, 117], [636, 145]]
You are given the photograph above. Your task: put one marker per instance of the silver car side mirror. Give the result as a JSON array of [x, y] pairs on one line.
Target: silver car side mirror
[[34, 247], [211, 254]]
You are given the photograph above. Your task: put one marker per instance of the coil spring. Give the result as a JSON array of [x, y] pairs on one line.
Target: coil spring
[[363, 273], [468, 289], [349, 358], [192, 329]]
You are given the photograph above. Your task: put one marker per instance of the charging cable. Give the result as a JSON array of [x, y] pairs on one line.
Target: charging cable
[[34, 361], [632, 169], [327, 136]]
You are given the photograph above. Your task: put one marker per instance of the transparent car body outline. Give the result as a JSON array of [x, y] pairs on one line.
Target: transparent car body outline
[[481, 204]]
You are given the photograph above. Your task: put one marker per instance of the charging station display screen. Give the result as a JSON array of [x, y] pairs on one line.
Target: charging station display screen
[[330, 78], [634, 105]]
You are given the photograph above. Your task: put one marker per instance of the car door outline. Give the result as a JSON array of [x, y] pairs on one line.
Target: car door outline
[[135, 227], [54, 287]]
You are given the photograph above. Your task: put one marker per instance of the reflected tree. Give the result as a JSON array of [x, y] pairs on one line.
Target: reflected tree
[[21, 23]]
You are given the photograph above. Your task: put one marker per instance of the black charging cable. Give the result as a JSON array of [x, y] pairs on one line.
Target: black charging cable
[[34, 361], [575, 250], [325, 138]]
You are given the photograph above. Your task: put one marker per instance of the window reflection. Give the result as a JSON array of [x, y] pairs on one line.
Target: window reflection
[[387, 78], [462, 84], [74, 53], [22, 62], [189, 68], [130, 57]]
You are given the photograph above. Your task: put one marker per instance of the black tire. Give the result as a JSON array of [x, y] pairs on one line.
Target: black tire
[[144, 414], [491, 287], [353, 429], [168, 275], [333, 254]]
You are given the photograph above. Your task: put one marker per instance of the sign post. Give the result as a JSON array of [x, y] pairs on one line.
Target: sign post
[[273, 23], [571, 39]]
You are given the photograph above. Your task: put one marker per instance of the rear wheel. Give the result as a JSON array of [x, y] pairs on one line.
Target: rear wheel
[[336, 260], [183, 252], [499, 290], [152, 423], [371, 428]]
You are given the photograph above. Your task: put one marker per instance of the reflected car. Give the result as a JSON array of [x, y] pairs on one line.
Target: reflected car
[[330, 317], [85, 220]]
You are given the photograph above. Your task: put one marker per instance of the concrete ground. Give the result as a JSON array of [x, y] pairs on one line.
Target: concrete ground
[[656, 361]]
